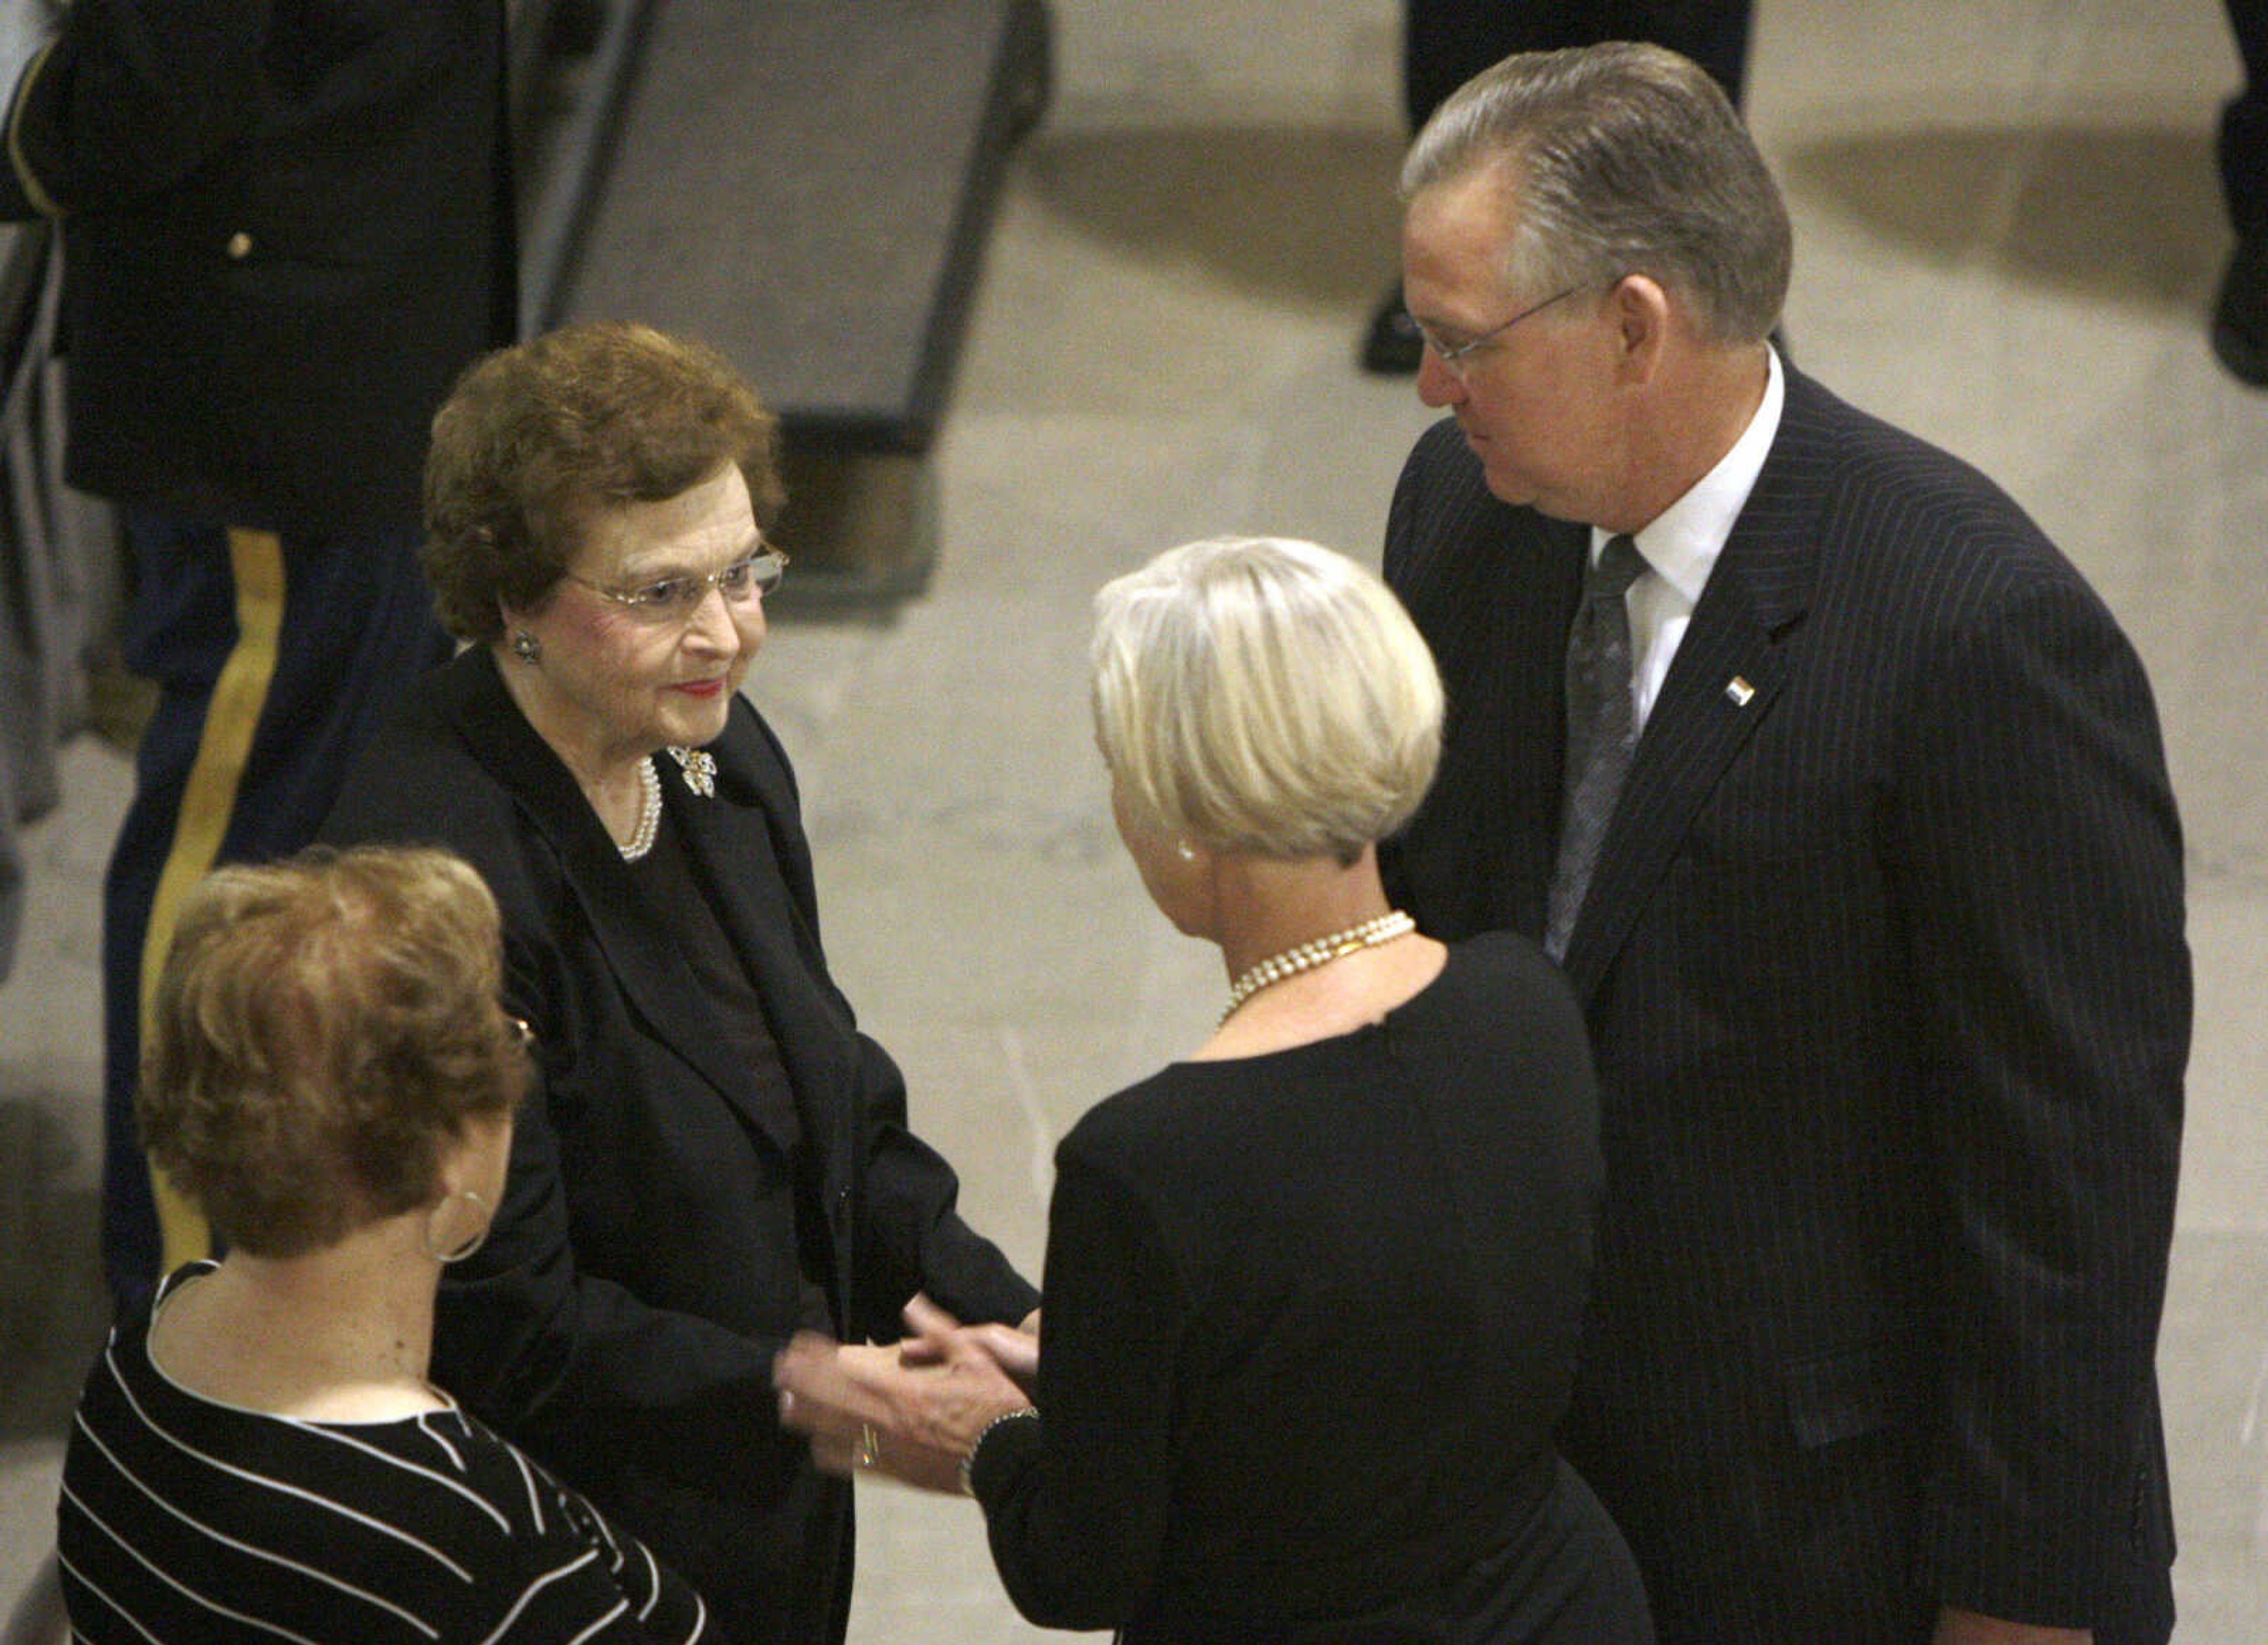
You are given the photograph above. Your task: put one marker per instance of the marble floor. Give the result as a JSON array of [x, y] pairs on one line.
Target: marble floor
[[2007, 234]]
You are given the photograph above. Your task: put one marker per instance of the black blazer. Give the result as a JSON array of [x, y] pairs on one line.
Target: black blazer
[[1884, 969], [287, 227], [622, 1319]]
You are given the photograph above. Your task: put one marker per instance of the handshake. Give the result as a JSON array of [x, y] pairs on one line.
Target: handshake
[[915, 1412]]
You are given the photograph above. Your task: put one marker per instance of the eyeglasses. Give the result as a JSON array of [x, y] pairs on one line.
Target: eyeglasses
[[1455, 356], [675, 598]]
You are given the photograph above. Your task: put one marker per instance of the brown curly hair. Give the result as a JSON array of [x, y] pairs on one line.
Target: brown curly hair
[[324, 1028], [536, 439]]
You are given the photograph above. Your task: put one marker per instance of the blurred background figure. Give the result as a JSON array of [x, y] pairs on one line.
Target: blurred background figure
[[330, 1078], [1446, 42], [286, 230], [2239, 314], [1314, 1292], [714, 1158]]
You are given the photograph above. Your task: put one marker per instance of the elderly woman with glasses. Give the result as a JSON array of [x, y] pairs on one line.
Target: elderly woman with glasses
[[1313, 1291], [328, 1075], [714, 1157]]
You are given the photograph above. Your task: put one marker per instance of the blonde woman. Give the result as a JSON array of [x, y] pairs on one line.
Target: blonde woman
[[1314, 1292]]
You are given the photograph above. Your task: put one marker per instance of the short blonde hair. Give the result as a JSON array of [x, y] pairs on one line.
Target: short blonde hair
[[323, 1028], [1264, 696]]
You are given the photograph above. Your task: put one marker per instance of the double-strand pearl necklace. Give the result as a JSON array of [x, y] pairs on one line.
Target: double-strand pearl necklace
[[648, 813], [1320, 951]]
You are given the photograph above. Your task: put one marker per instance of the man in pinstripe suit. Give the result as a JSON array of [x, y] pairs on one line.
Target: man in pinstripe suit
[[286, 229], [1882, 954]]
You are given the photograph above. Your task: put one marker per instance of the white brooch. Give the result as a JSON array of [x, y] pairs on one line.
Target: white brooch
[[700, 767]]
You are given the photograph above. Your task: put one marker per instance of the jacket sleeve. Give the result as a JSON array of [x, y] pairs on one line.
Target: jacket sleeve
[[2040, 866], [912, 1236], [131, 98], [1076, 1505]]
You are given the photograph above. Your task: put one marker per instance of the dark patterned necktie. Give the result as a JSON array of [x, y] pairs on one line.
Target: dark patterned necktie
[[1601, 731]]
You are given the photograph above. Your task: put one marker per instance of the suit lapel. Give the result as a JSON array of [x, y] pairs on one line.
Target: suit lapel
[[739, 842], [1730, 669]]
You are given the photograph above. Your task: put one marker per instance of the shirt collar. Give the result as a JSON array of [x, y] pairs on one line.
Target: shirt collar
[[1681, 543]]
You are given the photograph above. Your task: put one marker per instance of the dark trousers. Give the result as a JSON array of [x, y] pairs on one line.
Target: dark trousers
[[2244, 122], [1445, 43], [273, 657]]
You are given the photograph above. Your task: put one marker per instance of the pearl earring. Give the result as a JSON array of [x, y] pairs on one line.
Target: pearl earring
[[1184, 850], [526, 646]]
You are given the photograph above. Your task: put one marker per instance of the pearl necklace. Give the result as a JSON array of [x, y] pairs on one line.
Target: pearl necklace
[[648, 813], [1320, 951]]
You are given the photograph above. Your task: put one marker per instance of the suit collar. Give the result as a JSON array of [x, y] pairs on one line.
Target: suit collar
[[1681, 544]]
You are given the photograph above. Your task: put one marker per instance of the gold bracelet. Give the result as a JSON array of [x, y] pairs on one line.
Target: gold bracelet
[[986, 1432]]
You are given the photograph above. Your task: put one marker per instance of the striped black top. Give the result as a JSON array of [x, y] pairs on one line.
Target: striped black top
[[183, 1519]]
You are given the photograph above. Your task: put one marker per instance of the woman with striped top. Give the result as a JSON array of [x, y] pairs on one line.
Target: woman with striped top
[[258, 1453]]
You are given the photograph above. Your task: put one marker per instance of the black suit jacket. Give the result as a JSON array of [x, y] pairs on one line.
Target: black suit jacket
[[622, 1319], [287, 227], [1884, 968]]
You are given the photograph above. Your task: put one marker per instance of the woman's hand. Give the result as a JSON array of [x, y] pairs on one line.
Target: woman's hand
[[866, 1410], [1015, 1349]]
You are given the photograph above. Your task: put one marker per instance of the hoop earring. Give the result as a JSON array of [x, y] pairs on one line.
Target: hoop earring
[[465, 1247], [527, 647]]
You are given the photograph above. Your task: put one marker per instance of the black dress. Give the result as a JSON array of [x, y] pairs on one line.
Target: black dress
[[1311, 1316]]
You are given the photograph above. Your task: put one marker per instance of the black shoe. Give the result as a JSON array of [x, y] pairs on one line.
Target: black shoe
[[1392, 346], [2240, 315]]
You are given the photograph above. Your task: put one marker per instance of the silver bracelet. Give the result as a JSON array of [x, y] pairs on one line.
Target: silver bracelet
[[986, 1432]]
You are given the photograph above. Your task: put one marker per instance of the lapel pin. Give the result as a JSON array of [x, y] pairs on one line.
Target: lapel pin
[[1739, 691]]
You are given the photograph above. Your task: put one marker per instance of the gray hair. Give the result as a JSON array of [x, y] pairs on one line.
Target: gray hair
[[1264, 696], [1626, 159]]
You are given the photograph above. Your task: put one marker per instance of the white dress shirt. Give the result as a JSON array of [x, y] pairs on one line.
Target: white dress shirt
[[1681, 545]]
